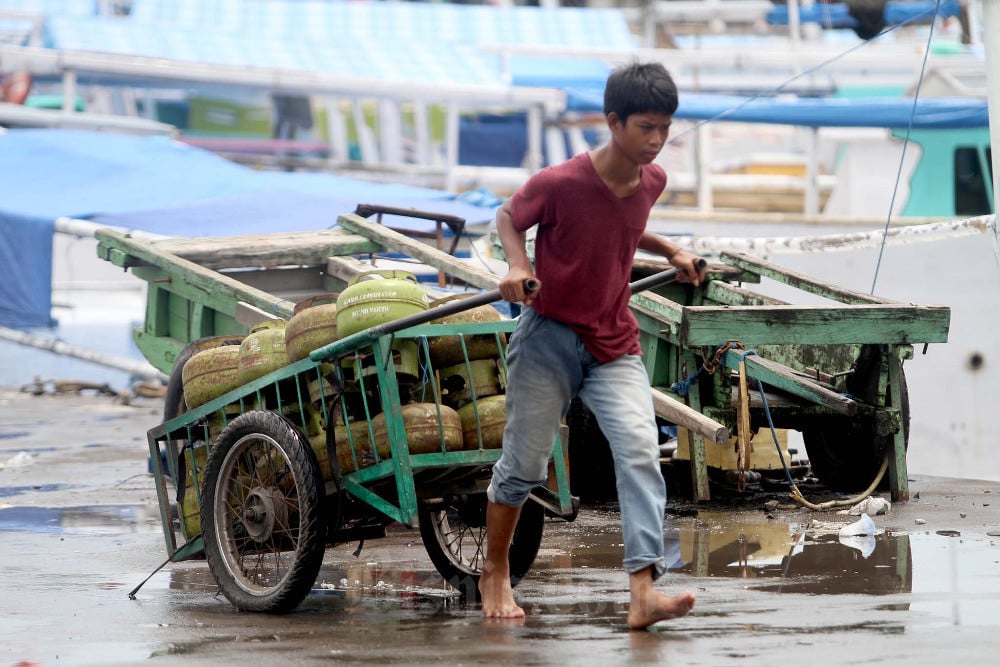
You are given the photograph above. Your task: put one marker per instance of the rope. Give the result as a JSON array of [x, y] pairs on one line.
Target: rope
[[906, 142], [683, 387], [795, 494]]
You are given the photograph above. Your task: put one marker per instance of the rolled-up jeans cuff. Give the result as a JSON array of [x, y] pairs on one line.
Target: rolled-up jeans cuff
[[506, 499], [634, 565]]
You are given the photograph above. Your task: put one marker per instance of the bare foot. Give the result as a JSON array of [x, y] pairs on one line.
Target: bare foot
[[498, 597], [652, 606]]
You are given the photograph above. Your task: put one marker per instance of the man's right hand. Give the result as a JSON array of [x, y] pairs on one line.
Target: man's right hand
[[512, 286]]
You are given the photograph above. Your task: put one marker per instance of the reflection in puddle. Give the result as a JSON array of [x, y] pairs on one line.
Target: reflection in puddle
[[818, 565], [805, 561], [83, 520], [398, 582]]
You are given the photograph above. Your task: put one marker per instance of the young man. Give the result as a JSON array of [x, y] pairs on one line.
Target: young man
[[577, 336]]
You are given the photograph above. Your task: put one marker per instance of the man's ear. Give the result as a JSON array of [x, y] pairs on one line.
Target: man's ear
[[613, 120]]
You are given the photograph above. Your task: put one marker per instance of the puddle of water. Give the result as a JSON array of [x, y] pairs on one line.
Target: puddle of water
[[83, 520], [8, 491], [30, 450]]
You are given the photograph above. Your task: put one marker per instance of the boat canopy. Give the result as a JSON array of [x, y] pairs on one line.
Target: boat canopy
[[890, 112]]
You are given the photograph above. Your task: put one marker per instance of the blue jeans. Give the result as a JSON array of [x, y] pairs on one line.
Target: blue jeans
[[547, 366]]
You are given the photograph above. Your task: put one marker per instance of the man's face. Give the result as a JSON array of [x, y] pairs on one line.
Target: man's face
[[643, 135]]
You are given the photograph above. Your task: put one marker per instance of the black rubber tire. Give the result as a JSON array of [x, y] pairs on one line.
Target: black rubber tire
[[845, 453], [173, 407], [454, 535], [267, 561], [591, 464]]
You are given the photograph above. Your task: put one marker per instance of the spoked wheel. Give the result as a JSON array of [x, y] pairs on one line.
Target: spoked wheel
[[261, 518], [453, 531]]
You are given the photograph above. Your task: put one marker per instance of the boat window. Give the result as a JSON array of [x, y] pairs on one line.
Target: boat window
[[971, 186]]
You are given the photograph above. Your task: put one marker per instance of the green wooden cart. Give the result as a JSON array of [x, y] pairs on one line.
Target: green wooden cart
[[321, 451], [723, 362]]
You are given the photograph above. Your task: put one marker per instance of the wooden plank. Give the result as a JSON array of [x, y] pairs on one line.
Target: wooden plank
[[899, 487], [249, 316], [674, 411], [730, 295], [815, 325], [787, 379], [800, 280], [266, 250], [224, 289], [423, 252], [659, 308]]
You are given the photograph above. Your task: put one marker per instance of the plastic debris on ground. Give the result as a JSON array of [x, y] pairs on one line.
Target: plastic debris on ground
[[872, 506]]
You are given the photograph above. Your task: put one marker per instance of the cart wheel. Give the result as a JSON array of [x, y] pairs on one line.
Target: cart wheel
[[591, 465], [846, 453], [454, 533], [261, 518], [173, 407]]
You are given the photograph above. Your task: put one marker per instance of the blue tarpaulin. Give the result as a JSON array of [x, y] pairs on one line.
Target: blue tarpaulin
[[891, 112], [25, 271], [158, 185]]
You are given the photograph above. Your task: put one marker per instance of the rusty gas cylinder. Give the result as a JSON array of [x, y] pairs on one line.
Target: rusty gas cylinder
[[313, 325], [195, 460], [447, 350], [210, 373], [263, 350], [485, 419], [462, 383]]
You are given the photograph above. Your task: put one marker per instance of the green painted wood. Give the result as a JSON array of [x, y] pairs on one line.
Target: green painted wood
[[215, 288], [800, 280], [277, 249], [899, 487], [160, 351], [784, 378], [562, 476], [423, 252], [815, 325], [729, 295], [696, 442], [658, 307]]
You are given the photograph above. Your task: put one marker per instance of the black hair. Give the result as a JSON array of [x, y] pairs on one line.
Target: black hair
[[640, 88]]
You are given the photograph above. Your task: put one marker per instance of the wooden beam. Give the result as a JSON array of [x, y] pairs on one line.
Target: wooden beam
[[800, 280], [267, 250], [224, 289], [730, 295], [893, 324], [421, 251], [787, 379], [678, 413]]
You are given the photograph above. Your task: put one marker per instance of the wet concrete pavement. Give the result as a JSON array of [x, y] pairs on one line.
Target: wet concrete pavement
[[79, 529]]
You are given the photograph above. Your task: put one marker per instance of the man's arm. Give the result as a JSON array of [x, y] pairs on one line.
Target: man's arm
[[684, 260], [513, 242]]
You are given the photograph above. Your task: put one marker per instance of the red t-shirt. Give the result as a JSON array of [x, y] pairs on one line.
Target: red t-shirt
[[586, 242]]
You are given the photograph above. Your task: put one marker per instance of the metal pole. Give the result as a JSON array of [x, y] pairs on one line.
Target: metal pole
[[991, 45]]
